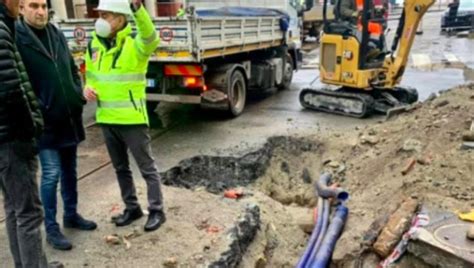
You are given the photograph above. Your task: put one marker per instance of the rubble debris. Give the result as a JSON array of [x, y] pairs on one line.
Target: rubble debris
[[133, 234], [424, 160], [213, 229], [127, 243], [432, 97], [241, 237], [470, 233], [171, 262], [261, 262], [409, 166], [203, 224], [303, 218], [441, 103], [397, 225], [285, 167], [370, 140], [374, 230], [115, 208], [306, 176], [112, 239], [419, 221], [468, 136], [342, 168], [370, 236], [334, 164], [412, 145]]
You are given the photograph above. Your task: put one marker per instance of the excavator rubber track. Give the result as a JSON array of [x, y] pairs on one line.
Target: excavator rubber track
[[340, 102], [357, 103]]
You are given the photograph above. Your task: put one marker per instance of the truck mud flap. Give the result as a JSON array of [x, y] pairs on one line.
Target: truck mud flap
[[214, 99]]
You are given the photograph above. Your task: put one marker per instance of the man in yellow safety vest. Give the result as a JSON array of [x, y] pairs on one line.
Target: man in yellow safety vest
[[116, 65]]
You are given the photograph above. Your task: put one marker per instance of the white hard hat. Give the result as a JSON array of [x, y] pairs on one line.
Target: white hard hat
[[116, 6]]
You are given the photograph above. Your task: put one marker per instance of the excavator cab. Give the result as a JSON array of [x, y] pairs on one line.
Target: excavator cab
[[351, 50], [354, 59]]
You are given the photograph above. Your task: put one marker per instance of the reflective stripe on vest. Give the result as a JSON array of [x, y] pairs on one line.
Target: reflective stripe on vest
[[117, 104], [116, 77]]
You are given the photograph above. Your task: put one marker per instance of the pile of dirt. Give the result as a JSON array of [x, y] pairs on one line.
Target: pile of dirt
[[369, 163], [430, 138]]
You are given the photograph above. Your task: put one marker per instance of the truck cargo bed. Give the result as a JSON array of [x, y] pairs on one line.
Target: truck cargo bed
[[198, 38]]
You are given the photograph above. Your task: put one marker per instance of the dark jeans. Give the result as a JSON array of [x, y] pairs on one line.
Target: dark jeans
[[18, 166], [119, 139], [58, 164]]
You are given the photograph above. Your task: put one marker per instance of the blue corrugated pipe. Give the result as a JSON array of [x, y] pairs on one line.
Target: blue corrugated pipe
[[324, 228], [319, 231], [314, 236], [323, 257], [325, 191]]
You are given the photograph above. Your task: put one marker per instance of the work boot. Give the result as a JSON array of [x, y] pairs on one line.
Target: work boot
[[78, 222], [128, 217], [155, 220], [57, 240]]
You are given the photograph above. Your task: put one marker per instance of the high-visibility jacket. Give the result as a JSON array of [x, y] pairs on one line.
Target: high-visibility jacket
[[375, 29], [181, 12], [118, 74]]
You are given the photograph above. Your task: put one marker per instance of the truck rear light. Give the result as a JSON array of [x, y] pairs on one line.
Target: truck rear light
[[193, 82]]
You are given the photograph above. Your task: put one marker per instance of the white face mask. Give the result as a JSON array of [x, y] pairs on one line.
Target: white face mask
[[103, 28]]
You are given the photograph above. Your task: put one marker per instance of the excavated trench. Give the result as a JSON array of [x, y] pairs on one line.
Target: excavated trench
[[217, 173], [280, 170]]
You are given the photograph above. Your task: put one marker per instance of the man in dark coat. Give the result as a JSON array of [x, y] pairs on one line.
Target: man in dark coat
[[20, 123], [56, 82]]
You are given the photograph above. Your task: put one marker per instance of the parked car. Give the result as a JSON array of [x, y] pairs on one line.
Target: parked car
[[459, 16]]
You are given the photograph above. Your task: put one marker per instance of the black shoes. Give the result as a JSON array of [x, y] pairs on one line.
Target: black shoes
[[128, 217], [78, 222], [57, 240], [155, 220]]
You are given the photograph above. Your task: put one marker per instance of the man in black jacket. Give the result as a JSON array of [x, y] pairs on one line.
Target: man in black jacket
[[20, 123], [56, 82]]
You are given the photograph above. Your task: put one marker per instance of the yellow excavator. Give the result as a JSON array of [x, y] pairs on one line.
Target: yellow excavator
[[361, 76]]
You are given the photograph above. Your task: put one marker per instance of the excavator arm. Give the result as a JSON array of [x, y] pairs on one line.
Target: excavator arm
[[395, 64]]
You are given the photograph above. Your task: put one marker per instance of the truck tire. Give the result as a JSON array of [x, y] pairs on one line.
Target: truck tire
[[237, 93], [287, 73]]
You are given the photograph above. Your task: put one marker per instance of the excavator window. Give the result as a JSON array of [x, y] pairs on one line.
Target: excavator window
[[362, 25]]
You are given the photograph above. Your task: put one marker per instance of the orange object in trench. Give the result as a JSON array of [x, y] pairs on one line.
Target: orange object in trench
[[233, 193]]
